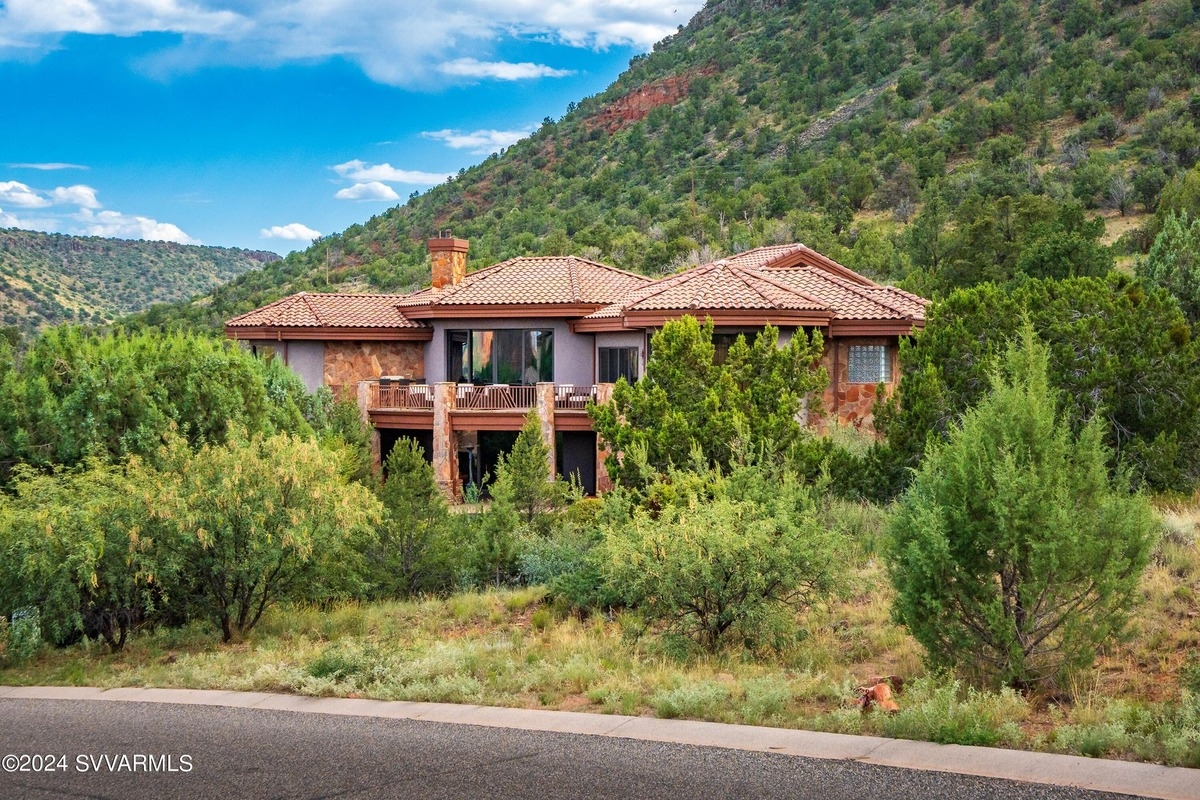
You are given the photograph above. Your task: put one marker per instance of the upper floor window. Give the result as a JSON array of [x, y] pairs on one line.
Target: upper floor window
[[512, 356], [869, 364], [618, 362]]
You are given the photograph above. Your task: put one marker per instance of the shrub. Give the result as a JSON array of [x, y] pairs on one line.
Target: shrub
[[736, 567], [1013, 554], [24, 634], [937, 709], [414, 552], [261, 520], [699, 700]]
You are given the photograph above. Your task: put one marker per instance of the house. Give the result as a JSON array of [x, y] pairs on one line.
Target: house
[[458, 365]]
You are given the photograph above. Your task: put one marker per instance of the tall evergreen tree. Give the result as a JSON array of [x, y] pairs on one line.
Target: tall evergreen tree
[[1014, 555]]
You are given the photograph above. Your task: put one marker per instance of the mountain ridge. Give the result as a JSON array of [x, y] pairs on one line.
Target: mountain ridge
[[897, 137], [50, 278]]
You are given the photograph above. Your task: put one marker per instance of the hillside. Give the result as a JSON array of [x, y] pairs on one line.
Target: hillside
[[47, 279], [932, 143]]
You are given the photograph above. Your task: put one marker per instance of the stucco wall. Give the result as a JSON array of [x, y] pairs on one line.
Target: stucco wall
[[347, 363], [574, 354], [622, 339], [307, 359]]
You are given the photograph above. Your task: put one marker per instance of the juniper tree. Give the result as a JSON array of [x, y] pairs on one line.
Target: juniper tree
[[1014, 554]]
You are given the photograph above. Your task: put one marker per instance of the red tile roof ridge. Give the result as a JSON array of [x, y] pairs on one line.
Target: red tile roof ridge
[[764, 275]]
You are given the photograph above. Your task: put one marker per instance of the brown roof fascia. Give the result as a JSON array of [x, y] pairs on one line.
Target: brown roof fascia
[[730, 317], [874, 327], [604, 325], [501, 310], [277, 334]]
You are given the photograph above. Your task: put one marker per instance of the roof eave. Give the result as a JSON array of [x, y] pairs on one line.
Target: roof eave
[[730, 317], [318, 333], [501, 310], [874, 327]]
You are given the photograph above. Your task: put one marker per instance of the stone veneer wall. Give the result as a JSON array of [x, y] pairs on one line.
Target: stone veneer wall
[[347, 363], [854, 402]]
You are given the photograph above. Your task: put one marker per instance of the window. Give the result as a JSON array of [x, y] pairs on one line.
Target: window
[[618, 362], [512, 356], [721, 344], [869, 364]]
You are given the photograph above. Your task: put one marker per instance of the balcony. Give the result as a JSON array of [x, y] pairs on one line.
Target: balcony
[[400, 404]]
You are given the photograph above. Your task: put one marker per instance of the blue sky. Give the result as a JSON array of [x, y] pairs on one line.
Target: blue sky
[[262, 123]]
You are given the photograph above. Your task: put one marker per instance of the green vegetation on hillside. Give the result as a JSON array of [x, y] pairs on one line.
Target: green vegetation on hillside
[[934, 143], [49, 279]]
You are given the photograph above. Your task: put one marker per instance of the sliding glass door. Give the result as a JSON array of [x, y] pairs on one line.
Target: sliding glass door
[[508, 355]]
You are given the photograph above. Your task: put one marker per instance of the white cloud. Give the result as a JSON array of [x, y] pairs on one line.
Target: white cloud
[[395, 43], [85, 219], [120, 17], [78, 195], [46, 166], [357, 170], [480, 142], [372, 190], [20, 195], [500, 70], [293, 230], [123, 226], [27, 223]]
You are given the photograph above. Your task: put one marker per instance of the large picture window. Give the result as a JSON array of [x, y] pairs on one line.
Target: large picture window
[[869, 364], [618, 362], [512, 356]]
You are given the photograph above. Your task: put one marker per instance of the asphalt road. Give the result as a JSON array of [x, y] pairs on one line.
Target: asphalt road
[[249, 753]]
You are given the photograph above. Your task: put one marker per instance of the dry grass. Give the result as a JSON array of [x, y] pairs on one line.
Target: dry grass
[[511, 648]]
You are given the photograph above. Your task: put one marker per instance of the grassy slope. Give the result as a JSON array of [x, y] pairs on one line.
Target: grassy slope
[[509, 648], [51, 278]]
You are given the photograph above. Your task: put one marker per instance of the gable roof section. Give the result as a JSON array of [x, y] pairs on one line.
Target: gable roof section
[[779, 284], [527, 286], [308, 315]]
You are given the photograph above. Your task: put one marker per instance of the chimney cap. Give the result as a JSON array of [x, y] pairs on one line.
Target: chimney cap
[[445, 242]]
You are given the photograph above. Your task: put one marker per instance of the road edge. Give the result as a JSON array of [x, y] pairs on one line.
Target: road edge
[[1120, 777]]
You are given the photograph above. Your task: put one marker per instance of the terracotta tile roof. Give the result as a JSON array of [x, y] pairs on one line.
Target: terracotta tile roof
[[309, 310], [776, 278], [551, 280], [718, 285], [848, 299]]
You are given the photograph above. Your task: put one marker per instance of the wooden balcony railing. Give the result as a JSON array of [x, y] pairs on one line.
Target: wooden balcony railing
[[413, 396], [495, 397], [573, 398], [394, 396]]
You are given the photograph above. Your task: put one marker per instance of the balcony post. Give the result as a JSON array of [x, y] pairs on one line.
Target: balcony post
[[545, 410], [604, 393], [445, 441]]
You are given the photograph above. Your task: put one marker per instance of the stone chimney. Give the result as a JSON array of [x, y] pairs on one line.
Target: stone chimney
[[449, 258]]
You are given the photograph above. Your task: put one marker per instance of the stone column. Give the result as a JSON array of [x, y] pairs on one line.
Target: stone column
[[545, 411], [445, 441], [364, 401], [604, 483]]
